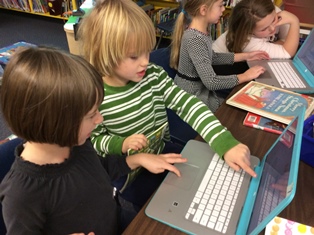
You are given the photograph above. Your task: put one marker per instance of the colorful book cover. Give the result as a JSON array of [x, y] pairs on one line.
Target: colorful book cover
[[6, 52], [271, 102], [262, 123], [153, 146], [153, 141], [281, 226]]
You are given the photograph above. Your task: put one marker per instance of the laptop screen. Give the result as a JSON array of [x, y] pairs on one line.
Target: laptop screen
[[306, 53], [276, 171]]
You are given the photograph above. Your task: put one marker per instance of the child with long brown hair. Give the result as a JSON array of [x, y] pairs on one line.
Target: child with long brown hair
[[260, 25], [193, 57]]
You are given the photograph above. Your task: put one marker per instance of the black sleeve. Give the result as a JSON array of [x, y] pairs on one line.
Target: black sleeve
[[115, 165]]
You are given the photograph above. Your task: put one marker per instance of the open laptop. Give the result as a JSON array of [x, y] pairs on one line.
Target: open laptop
[[302, 66], [257, 202]]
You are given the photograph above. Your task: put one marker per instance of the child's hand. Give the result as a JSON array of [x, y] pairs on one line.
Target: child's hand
[[251, 73], [135, 142], [156, 163], [257, 55], [239, 157]]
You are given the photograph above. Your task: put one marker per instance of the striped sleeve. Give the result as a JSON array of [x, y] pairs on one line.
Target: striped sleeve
[[197, 115]]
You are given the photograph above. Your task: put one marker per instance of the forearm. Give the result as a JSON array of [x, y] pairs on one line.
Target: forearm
[[134, 161], [107, 144], [292, 41], [201, 119], [291, 22], [240, 57]]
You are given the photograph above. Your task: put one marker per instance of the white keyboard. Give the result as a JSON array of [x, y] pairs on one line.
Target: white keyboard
[[286, 75], [214, 201]]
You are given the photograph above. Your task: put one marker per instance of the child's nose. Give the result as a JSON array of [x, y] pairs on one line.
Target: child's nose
[[145, 61]]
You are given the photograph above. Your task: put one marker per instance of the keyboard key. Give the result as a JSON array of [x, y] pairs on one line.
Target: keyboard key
[[213, 204], [286, 75]]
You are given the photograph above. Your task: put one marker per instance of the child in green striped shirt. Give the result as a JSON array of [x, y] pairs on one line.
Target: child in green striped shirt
[[137, 92]]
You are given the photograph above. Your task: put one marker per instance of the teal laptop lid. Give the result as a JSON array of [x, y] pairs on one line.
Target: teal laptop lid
[[304, 59], [279, 167]]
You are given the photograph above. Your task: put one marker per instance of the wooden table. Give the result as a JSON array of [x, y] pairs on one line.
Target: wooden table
[[301, 209]]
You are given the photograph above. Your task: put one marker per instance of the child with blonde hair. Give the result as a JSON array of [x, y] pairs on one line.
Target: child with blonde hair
[[57, 183], [193, 57], [138, 93], [260, 25]]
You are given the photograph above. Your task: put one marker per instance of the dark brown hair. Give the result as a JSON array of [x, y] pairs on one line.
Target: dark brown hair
[[46, 93], [243, 20]]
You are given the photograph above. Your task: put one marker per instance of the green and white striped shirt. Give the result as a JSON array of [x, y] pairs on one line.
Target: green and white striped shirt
[[141, 108]]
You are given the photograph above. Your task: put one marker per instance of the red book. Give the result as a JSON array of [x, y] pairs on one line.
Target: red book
[[271, 102], [262, 123]]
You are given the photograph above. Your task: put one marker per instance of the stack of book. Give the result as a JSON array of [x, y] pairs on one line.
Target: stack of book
[[270, 108]]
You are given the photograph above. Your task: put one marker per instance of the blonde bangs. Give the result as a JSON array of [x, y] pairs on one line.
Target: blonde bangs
[[121, 26], [135, 32], [143, 32]]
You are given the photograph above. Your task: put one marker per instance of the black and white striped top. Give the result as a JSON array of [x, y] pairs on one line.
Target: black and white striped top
[[195, 72]]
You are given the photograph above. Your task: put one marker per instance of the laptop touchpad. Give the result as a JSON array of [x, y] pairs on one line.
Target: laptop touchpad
[[188, 175]]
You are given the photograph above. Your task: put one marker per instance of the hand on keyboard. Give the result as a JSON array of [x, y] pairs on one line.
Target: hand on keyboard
[[239, 157], [156, 163], [257, 55], [251, 73]]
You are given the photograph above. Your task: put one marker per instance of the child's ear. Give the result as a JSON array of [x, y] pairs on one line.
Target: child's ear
[[203, 9]]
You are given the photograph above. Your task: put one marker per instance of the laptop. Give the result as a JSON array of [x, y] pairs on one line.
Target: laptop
[[301, 77], [178, 203]]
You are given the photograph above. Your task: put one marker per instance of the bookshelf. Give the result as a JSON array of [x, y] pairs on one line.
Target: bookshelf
[[58, 9], [222, 25], [159, 8]]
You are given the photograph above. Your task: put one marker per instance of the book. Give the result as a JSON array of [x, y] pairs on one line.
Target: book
[[262, 123], [153, 146], [281, 226], [7, 52], [147, 7], [271, 102]]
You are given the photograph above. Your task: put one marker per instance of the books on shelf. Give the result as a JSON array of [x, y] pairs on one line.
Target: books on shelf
[[147, 7], [263, 123], [160, 14], [220, 27], [22, 5], [271, 102]]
